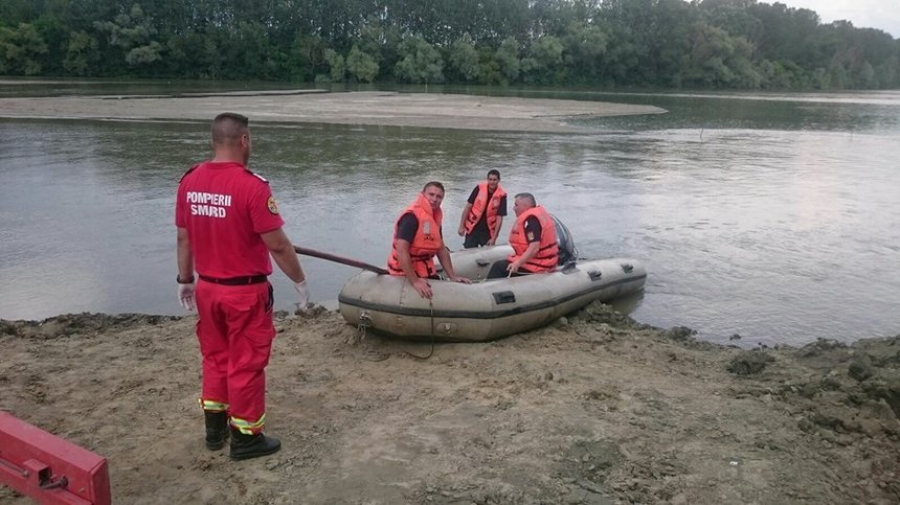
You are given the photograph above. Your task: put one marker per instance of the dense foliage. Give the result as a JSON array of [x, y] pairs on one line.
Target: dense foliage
[[668, 43]]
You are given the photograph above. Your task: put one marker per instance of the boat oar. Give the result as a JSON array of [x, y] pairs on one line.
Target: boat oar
[[340, 259]]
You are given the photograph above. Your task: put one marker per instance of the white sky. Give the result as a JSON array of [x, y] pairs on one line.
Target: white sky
[[881, 14]]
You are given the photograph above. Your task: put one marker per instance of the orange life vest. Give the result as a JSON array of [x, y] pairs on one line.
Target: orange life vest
[[426, 243], [548, 254], [482, 205]]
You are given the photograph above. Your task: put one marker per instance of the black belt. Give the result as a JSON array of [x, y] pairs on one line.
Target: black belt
[[236, 281]]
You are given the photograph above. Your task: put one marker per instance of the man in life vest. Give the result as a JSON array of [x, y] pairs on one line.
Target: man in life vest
[[418, 238], [533, 239], [483, 216]]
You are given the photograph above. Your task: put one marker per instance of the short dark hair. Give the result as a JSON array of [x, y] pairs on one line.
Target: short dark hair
[[435, 184], [528, 197], [494, 172], [227, 127]]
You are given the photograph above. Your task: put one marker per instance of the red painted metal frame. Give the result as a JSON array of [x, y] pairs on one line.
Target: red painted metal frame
[[49, 469]]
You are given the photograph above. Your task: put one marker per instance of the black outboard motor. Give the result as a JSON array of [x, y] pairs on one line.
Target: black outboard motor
[[567, 252]]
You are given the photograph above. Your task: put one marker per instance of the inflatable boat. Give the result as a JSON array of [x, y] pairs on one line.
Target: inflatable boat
[[485, 309]]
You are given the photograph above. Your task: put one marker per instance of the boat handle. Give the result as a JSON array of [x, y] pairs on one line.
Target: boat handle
[[482, 263], [627, 267], [595, 275], [502, 297]]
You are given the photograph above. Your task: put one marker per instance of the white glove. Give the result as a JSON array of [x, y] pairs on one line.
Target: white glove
[[302, 295], [186, 295]]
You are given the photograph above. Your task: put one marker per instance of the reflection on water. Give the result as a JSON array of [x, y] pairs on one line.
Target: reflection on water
[[776, 220]]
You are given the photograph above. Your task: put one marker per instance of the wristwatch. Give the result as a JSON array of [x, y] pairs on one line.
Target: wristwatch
[[189, 280]]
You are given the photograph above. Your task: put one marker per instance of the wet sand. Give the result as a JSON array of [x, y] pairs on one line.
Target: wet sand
[[356, 108]]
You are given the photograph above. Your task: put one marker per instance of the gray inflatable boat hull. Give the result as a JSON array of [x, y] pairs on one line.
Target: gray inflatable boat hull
[[483, 310]]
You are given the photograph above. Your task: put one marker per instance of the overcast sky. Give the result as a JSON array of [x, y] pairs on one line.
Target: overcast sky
[[881, 14]]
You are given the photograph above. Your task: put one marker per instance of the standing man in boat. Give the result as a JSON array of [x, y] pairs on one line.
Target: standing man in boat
[[228, 224], [418, 238], [533, 239], [483, 216]]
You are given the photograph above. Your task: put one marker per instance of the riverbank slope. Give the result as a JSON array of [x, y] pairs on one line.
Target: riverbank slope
[[593, 409]]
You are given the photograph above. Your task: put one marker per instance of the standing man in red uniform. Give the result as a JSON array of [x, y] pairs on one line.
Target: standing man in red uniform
[[228, 224], [483, 215], [533, 239], [418, 238]]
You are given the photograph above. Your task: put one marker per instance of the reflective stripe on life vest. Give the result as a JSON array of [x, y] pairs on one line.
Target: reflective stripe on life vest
[[426, 243], [481, 205], [548, 254]]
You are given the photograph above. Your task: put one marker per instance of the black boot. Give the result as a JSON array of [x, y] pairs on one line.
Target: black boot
[[252, 446], [216, 429]]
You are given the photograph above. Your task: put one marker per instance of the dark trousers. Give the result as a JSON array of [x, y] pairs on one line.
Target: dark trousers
[[498, 271], [477, 238]]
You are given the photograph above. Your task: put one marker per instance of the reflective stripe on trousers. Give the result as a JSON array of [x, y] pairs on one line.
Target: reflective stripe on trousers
[[235, 331]]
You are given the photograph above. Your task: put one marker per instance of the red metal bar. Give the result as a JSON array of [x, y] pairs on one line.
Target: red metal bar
[[49, 469]]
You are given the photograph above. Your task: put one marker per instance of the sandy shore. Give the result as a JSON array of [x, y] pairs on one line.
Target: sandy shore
[[595, 409], [360, 108]]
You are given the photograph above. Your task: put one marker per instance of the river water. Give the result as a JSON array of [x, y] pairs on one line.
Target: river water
[[773, 217]]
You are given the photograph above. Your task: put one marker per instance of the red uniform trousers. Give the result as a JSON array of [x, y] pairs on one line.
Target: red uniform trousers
[[235, 331]]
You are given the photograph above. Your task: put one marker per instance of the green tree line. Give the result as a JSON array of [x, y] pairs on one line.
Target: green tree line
[[743, 44]]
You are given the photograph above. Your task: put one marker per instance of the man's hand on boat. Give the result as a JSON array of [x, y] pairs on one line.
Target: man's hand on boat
[[513, 267], [423, 287]]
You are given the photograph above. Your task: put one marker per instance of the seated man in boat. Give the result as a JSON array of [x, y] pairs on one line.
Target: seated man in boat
[[483, 215], [418, 238], [533, 239]]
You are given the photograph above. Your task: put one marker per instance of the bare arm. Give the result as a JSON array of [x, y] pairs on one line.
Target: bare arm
[[529, 253], [493, 240], [405, 261], [444, 256], [419, 284], [282, 251], [185, 257], [462, 221]]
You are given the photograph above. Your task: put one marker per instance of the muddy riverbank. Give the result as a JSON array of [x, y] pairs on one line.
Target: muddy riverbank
[[595, 408]]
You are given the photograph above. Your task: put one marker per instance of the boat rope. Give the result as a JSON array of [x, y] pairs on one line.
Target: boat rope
[[431, 352]]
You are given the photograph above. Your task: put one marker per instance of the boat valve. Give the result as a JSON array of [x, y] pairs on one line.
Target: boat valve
[[365, 321]]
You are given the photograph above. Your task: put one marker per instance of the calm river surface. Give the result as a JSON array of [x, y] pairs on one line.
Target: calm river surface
[[775, 217]]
